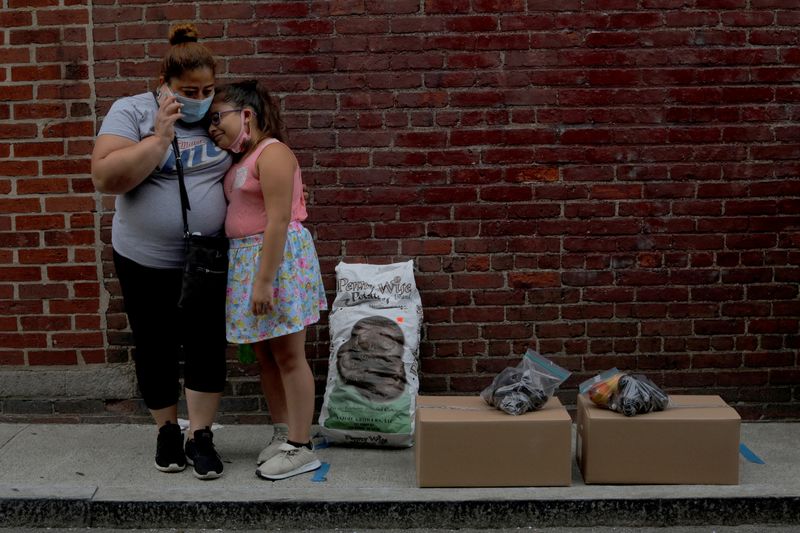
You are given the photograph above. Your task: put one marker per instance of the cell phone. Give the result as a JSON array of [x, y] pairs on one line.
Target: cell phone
[[164, 89]]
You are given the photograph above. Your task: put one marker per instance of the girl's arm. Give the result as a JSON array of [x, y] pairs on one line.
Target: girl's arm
[[276, 167], [120, 164]]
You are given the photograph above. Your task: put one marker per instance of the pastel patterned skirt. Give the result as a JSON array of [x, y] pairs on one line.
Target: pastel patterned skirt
[[299, 294]]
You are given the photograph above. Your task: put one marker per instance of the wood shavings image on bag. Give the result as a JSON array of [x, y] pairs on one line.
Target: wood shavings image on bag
[[372, 359]]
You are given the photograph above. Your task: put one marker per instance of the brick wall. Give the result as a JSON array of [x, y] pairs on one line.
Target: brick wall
[[611, 181]]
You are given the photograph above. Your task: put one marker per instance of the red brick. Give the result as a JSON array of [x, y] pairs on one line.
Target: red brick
[[74, 306], [23, 340], [69, 129], [446, 6], [66, 166], [94, 356], [43, 256], [48, 323], [60, 17], [86, 290], [18, 240], [506, 194], [39, 149], [64, 91], [69, 204], [26, 37], [164, 13], [68, 273], [77, 340], [102, 15], [49, 72], [281, 10], [42, 185], [40, 291], [306, 27], [426, 247], [15, 54], [17, 131], [52, 357], [10, 19], [20, 273], [18, 168], [81, 220], [10, 357], [61, 54]]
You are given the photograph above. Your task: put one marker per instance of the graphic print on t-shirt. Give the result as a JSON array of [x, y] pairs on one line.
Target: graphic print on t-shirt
[[196, 154], [241, 177]]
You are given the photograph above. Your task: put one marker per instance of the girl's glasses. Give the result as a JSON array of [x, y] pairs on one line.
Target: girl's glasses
[[216, 117]]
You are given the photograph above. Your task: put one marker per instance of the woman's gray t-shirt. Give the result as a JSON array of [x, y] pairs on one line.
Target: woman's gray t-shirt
[[147, 226]]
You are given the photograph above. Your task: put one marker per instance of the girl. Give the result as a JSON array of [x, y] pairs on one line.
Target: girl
[[274, 283]]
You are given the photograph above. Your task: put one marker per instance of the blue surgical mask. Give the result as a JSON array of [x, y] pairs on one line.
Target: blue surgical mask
[[194, 110]]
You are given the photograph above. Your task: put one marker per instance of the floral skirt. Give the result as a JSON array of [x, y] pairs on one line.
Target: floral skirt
[[298, 290]]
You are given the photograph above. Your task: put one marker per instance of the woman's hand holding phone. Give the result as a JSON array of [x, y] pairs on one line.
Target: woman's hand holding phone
[[169, 110]]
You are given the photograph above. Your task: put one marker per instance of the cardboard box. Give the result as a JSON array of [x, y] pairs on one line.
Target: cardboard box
[[463, 442], [695, 442]]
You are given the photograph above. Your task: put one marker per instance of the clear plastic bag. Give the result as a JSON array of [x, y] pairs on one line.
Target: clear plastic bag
[[602, 387], [627, 394], [637, 395], [525, 387]]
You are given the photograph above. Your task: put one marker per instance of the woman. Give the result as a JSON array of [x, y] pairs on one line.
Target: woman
[[133, 158]]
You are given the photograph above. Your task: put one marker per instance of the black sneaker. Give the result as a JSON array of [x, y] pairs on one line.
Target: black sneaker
[[200, 453], [169, 449]]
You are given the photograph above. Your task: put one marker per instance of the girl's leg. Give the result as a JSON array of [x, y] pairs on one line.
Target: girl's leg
[[271, 383], [272, 387], [298, 383]]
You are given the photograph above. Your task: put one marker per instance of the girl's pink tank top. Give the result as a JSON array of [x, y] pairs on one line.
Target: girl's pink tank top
[[246, 213]]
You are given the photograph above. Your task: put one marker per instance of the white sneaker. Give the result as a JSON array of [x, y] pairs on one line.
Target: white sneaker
[[279, 436], [289, 462]]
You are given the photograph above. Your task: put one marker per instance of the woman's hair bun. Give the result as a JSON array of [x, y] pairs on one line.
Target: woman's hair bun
[[183, 33]]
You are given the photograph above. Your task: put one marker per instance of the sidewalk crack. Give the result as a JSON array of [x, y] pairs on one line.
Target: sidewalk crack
[[14, 436]]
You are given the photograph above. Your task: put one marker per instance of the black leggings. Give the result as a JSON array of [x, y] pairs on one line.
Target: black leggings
[[164, 334]]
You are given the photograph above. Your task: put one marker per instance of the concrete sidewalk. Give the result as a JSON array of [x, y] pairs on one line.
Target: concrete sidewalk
[[103, 476]]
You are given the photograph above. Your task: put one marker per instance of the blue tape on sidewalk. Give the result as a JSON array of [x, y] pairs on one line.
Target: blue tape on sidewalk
[[321, 472], [749, 455]]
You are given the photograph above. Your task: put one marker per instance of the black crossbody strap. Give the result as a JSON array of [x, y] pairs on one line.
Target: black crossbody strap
[[181, 182]]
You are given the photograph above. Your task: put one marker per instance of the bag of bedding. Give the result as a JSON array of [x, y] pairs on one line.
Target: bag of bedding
[[374, 324]]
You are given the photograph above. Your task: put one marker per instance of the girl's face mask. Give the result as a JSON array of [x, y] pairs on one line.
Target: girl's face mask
[[241, 140]]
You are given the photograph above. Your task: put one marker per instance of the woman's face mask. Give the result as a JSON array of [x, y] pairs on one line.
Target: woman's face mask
[[194, 110], [198, 84]]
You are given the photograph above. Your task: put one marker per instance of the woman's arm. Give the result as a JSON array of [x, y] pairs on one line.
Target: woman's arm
[[276, 167], [120, 164]]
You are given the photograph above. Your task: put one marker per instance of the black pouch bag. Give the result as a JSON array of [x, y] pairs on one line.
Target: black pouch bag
[[205, 271]]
